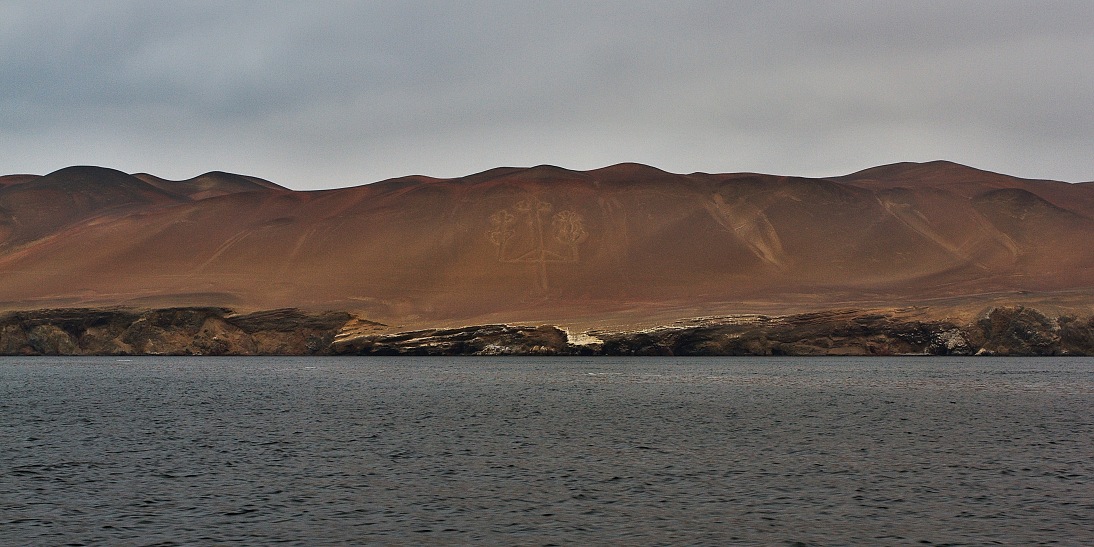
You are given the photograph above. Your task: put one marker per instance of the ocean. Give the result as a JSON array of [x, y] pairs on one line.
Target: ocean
[[546, 451]]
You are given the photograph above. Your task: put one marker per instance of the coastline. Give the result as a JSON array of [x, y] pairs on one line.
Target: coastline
[[994, 331]]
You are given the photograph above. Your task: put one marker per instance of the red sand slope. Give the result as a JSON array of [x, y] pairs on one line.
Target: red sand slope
[[626, 243]]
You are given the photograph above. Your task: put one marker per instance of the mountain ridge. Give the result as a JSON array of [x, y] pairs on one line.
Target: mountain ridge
[[625, 244]]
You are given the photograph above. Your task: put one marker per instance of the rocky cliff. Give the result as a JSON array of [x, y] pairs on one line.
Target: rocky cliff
[[998, 331], [220, 331], [169, 331]]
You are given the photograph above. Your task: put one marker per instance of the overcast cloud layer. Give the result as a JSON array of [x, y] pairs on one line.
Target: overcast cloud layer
[[325, 94]]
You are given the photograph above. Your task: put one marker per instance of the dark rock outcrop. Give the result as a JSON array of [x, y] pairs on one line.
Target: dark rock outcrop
[[477, 340], [289, 331], [168, 331], [1025, 331], [218, 331], [999, 331]]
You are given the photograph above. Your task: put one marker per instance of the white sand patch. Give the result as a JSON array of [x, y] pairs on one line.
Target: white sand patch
[[582, 339]]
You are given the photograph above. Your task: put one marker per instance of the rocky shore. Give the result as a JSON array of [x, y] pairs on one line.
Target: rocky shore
[[1017, 331]]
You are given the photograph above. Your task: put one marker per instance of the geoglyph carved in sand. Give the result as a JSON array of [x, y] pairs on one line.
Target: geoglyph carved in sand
[[526, 234]]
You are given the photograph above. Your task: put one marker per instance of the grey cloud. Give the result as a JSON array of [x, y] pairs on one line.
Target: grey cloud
[[335, 93]]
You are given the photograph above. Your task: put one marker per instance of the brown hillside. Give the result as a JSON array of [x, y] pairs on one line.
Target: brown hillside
[[624, 244]]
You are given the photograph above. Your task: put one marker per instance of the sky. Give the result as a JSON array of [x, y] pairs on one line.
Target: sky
[[323, 94]]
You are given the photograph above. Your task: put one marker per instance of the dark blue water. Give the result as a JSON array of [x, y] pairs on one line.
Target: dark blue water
[[546, 451]]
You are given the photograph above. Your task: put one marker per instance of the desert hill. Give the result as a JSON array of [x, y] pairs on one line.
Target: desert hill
[[626, 244]]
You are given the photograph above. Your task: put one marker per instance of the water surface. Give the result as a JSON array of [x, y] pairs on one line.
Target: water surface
[[537, 451]]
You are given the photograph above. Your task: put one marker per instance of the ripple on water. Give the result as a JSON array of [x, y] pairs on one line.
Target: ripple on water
[[550, 451]]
